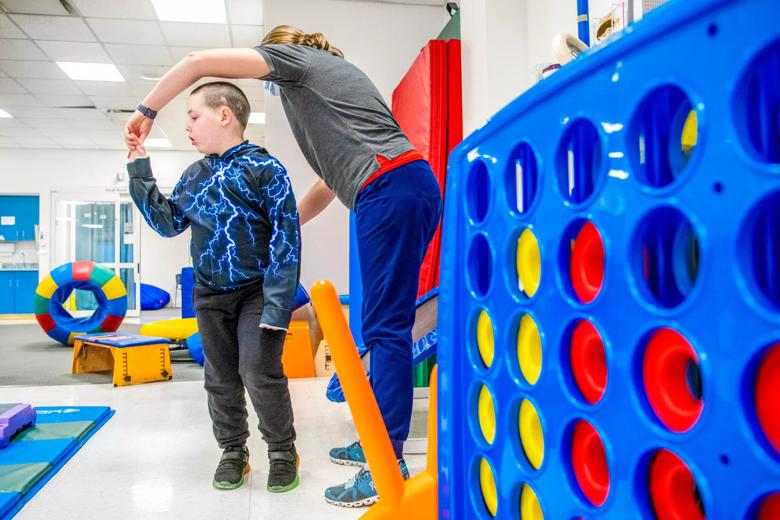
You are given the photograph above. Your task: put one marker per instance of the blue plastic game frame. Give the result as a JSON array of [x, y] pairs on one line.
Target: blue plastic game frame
[[724, 57]]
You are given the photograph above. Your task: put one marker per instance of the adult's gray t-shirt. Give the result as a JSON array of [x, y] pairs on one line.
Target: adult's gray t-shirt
[[336, 114]]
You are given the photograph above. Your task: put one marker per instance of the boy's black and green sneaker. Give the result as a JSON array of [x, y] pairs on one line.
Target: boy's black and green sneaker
[[232, 467], [283, 470]]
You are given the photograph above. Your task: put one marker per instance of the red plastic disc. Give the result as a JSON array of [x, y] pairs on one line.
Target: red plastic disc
[[587, 263], [767, 396], [673, 489], [588, 361], [589, 461], [665, 380], [770, 508]]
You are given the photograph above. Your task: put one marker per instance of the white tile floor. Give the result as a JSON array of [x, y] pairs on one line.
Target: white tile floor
[[155, 458]]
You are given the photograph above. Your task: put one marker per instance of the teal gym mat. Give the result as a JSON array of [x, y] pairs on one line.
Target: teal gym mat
[[36, 454]]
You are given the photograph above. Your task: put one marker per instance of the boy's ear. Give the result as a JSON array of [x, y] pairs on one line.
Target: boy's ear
[[225, 116]]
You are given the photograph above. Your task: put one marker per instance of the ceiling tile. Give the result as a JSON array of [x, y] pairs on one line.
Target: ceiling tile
[[38, 142], [7, 142], [246, 35], [8, 29], [115, 102], [57, 100], [137, 32], [139, 54], [46, 122], [18, 100], [105, 88], [134, 10], [245, 11], [20, 50], [35, 7], [179, 53], [9, 86], [32, 69], [186, 34], [3, 74], [75, 51], [50, 86], [64, 28], [82, 114]]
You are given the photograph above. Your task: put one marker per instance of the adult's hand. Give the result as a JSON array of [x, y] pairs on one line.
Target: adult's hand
[[137, 129]]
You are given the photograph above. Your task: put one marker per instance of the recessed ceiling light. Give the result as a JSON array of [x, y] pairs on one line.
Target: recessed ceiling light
[[4, 114], [257, 118], [157, 142], [199, 11], [91, 71]]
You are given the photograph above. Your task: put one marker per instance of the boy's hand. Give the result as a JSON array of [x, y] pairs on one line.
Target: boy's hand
[[136, 151]]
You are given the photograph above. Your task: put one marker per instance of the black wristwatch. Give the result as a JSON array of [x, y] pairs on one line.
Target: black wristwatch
[[148, 112]]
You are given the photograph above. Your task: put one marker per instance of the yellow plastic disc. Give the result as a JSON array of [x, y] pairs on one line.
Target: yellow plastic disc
[[486, 414], [690, 133], [531, 436], [485, 338], [529, 349], [488, 485], [529, 505], [529, 263]]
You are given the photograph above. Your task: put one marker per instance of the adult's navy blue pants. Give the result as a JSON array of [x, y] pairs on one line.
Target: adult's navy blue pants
[[396, 216]]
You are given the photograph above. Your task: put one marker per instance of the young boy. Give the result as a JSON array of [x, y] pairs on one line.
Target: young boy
[[245, 248]]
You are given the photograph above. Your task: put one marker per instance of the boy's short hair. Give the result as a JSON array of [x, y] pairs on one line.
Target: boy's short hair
[[222, 93]]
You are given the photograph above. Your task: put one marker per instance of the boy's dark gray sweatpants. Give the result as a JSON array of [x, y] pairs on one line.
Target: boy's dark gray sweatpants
[[239, 354]]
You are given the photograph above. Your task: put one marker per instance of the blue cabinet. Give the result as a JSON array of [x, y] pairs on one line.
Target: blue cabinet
[[24, 295], [18, 216], [17, 292], [7, 291]]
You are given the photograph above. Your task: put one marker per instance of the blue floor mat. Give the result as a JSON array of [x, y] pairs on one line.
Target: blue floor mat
[[36, 454]]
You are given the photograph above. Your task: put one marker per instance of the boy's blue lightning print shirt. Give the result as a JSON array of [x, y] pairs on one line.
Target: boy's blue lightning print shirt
[[244, 221]]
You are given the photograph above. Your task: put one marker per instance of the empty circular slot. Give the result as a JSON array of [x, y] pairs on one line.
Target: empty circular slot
[[522, 176], [586, 268], [478, 192], [662, 136], [758, 106], [531, 434], [529, 349], [760, 250], [769, 508], [529, 263], [767, 396], [589, 462], [530, 509], [673, 489], [666, 256], [579, 161], [486, 414], [588, 361], [485, 342], [487, 484], [480, 265], [665, 370]]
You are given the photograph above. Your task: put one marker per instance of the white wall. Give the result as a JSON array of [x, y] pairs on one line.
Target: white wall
[[40, 172], [505, 42], [383, 40]]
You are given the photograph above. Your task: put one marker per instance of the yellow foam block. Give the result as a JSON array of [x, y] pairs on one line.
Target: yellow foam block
[[47, 287], [178, 329], [114, 288]]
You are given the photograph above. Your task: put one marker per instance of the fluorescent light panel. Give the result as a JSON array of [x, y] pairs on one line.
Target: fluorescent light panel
[[257, 118], [198, 11], [4, 114], [91, 71], [157, 142]]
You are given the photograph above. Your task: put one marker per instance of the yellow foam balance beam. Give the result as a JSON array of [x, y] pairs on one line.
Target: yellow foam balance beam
[[176, 330]]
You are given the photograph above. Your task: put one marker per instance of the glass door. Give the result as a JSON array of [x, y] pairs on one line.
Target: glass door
[[102, 228]]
